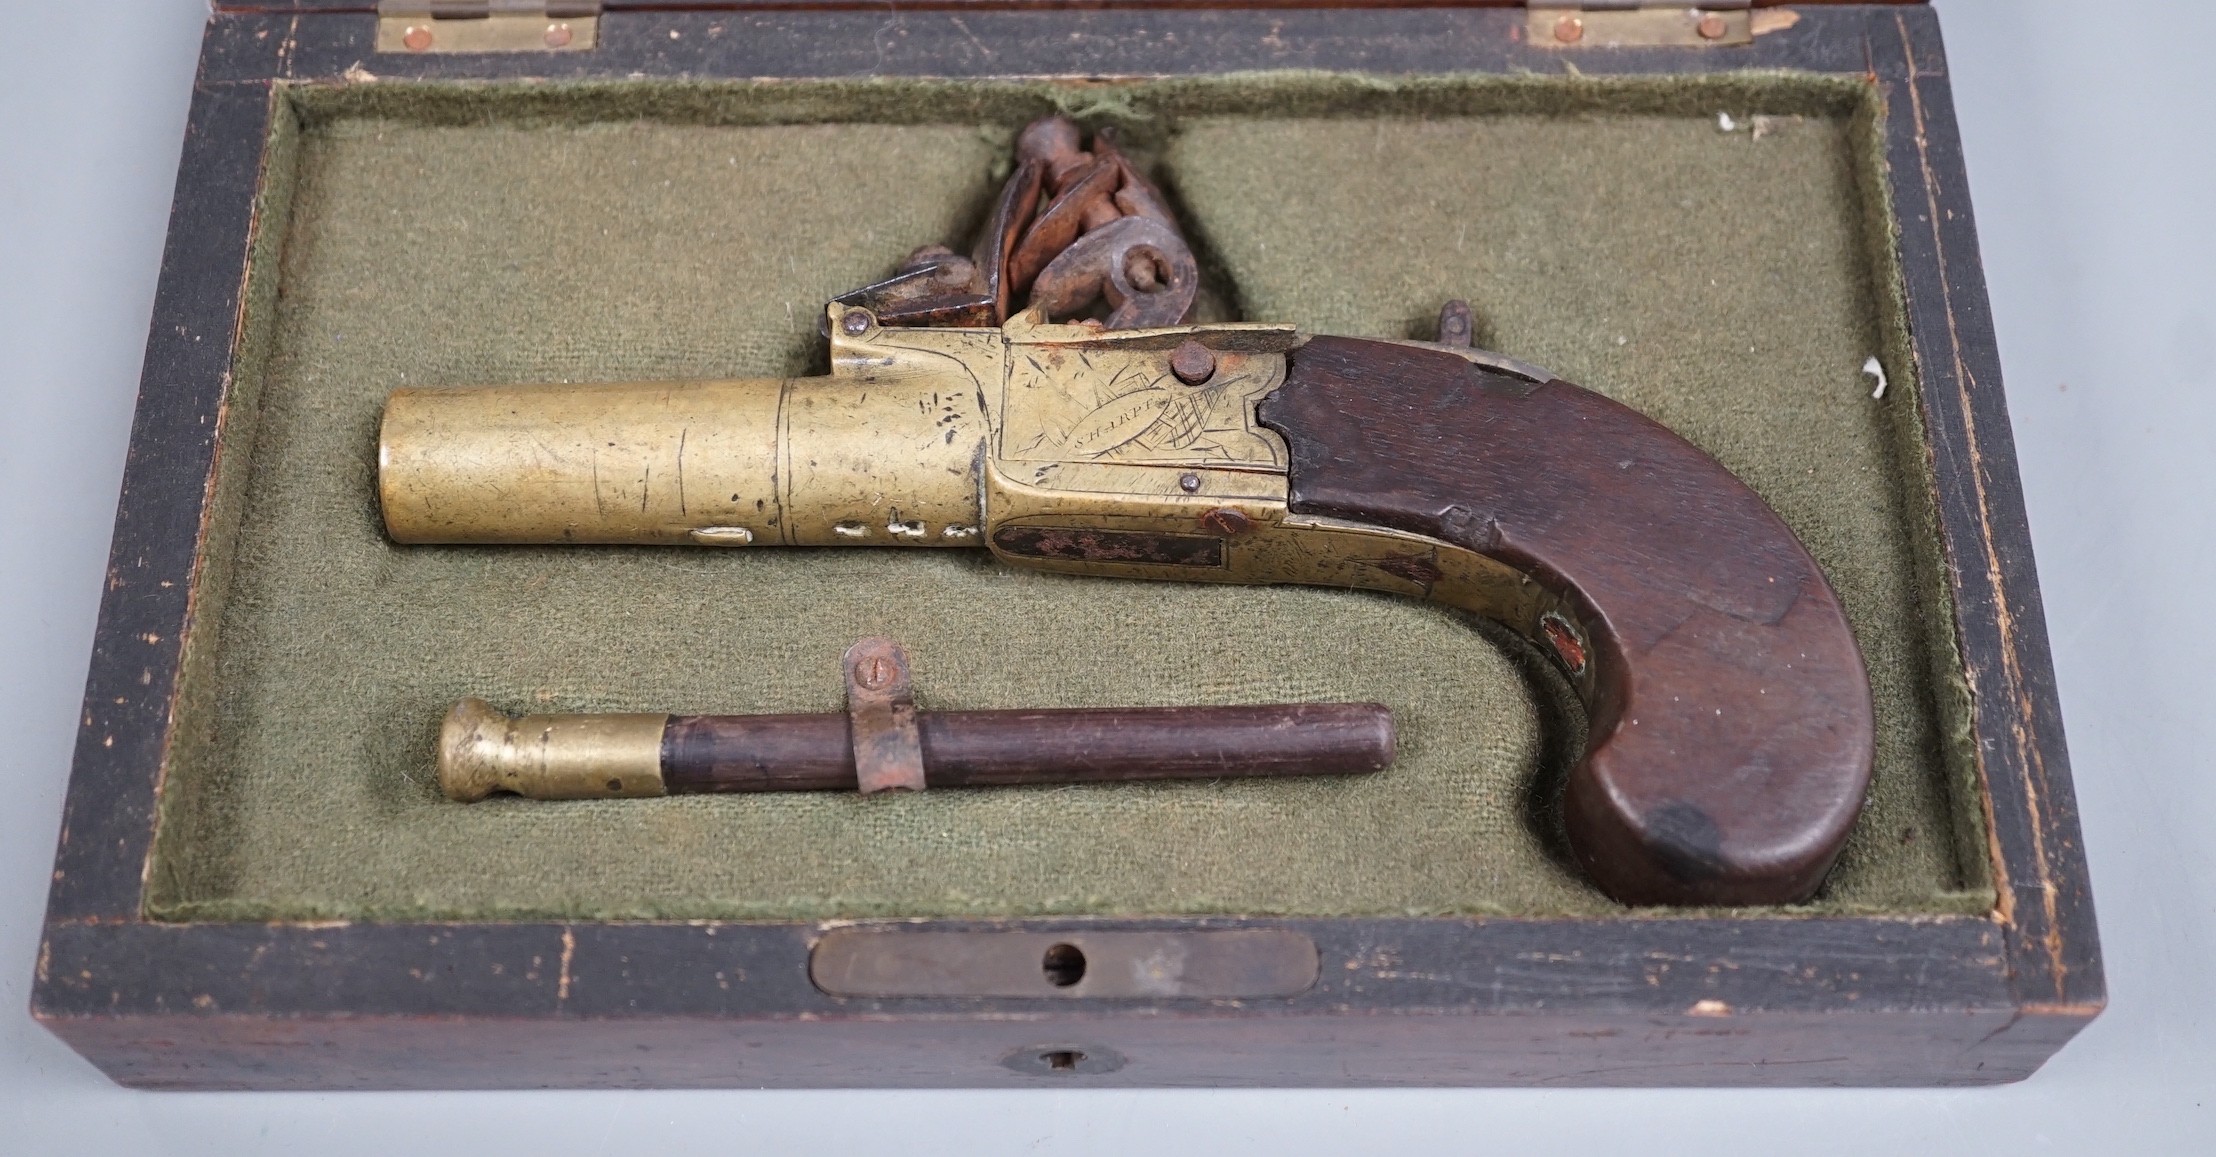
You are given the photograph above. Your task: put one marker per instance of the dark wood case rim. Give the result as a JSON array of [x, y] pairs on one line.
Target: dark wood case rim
[[986, 5], [1404, 1001]]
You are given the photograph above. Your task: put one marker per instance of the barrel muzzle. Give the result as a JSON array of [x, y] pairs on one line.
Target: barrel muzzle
[[884, 451]]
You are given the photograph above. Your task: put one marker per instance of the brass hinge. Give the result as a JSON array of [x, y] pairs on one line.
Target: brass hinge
[[1649, 24], [417, 26]]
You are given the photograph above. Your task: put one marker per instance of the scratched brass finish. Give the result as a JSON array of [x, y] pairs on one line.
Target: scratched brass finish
[[581, 463], [482, 751], [1066, 448], [1076, 394], [1108, 463], [882, 452], [1259, 542]]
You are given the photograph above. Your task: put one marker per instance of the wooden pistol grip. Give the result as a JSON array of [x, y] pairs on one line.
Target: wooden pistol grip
[[1730, 739]]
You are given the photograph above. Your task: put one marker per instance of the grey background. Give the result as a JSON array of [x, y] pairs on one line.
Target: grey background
[[2093, 162]]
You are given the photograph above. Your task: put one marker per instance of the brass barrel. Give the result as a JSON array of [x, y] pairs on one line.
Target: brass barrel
[[829, 461]]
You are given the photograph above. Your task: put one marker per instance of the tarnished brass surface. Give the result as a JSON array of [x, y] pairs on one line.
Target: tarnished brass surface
[[1638, 27], [1077, 394], [581, 463], [411, 28], [482, 751], [1244, 516], [882, 452], [1067, 448]]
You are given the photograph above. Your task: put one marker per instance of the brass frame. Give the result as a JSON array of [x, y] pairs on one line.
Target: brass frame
[[1063, 448]]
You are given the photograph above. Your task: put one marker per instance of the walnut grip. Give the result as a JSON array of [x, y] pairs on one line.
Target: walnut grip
[[1731, 731]]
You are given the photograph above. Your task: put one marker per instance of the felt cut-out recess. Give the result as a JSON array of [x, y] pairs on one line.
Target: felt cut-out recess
[[1730, 283]]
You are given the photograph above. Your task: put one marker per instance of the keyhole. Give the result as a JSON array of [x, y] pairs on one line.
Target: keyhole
[[1064, 965], [1062, 1060]]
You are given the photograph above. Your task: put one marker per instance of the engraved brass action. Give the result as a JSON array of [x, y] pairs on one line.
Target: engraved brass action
[[1067, 448]]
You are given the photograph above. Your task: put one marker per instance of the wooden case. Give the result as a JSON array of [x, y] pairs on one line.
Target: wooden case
[[1705, 999]]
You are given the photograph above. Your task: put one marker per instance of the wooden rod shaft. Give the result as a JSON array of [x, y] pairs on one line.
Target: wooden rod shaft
[[729, 753]]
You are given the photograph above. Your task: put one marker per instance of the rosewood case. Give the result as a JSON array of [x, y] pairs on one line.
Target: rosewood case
[[1606, 997]]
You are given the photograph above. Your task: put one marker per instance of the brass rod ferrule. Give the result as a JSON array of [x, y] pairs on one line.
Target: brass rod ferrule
[[482, 751]]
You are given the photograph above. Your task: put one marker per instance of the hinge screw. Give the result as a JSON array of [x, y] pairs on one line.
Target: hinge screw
[[1569, 30], [557, 36], [1192, 362], [417, 38], [855, 323], [1711, 27]]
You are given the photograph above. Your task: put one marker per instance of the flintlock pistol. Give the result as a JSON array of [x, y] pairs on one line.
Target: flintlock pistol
[[1730, 733]]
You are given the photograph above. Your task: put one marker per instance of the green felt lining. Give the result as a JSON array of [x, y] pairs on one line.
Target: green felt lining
[[1729, 283]]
